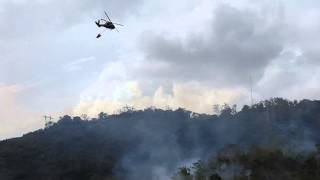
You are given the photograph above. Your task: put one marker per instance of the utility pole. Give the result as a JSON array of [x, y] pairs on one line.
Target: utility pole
[[251, 89]]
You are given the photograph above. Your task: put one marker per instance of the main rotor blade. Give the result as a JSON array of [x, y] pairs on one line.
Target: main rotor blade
[[118, 24], [107, 16]]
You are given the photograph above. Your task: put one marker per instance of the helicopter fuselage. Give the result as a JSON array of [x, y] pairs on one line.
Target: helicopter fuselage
[[108, 25]]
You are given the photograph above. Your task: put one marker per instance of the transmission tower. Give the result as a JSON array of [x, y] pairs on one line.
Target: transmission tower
[[48, 121]]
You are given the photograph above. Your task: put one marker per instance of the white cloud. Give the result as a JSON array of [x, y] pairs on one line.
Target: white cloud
[[191, 96]]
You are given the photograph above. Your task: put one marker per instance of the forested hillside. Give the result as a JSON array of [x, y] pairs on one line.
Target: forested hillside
[[273, 139]]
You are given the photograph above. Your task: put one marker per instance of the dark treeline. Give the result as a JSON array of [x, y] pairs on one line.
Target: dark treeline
[[269, 140]]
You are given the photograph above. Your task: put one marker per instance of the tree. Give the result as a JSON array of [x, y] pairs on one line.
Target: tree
[[183, 174], [102, 116], [85, 117]]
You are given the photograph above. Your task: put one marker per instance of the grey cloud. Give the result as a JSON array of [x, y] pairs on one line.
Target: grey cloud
[[293, 76], [240, 43]]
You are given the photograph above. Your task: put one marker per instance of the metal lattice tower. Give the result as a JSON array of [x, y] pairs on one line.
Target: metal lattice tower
[[48, 121]]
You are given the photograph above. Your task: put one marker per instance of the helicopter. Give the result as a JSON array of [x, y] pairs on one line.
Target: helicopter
[[108, 24]]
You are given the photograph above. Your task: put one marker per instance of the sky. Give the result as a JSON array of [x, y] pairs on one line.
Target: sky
[[184, 53]]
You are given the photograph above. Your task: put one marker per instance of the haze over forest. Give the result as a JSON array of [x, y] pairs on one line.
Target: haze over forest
[[274, 139]]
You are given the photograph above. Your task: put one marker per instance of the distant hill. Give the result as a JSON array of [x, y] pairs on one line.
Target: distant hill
[[153, 143]]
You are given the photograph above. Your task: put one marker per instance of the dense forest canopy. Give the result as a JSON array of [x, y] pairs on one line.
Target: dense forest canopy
[[273, 139]]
